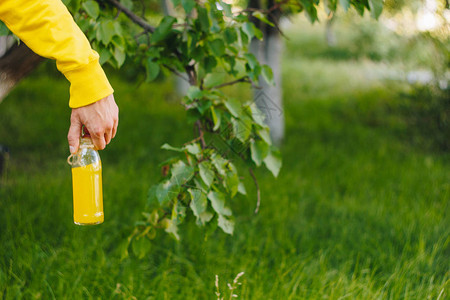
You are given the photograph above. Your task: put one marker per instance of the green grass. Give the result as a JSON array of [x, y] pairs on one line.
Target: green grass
[[358, 212]]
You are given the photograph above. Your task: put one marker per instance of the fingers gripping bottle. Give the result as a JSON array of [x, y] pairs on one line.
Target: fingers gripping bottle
[[87, 184]]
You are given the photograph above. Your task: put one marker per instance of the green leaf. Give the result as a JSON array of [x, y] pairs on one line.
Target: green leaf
[[203, 19], [240, 68], [199, 184], [163, 30], [91, 8], [166, 191], [267, 74], [227, 225], [105, 55], [203, 106], [241, 188], [119, 56], [230, 35], [265, 135], [259, 151], [4, 29], [153, 52], [244, 38], [206, 173], [220, 163], [232, 182], [194, 92], [217, 47], [106, 32], [241, 129], [218, 203], [171, 228], [258, 33], [217, 117], [152, 69], [249, 29], [311, 12], [214, 79], [226, 8], [193, 149], [198, 202], [86, 26], [181, 173], [168, 147], [127, 3], [376, 8], [209, 63], [234, 106], [251, 59], [141, 246], [204, 218], [118, 41], [153, 217], [192, 39], [257, 115], [260, 16], [273, 163], [188, 5], [178, 213], [215, 27], [359, 7], [198, 205], [254, 74], [192, 116], [73, 5], [169, 161]]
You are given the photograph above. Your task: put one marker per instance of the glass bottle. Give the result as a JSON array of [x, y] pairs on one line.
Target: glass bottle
[[87, 184]]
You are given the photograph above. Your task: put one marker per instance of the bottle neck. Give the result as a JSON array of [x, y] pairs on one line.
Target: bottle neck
[[86, 142]]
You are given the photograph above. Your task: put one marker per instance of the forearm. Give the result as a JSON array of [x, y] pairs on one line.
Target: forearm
[[47, 28]]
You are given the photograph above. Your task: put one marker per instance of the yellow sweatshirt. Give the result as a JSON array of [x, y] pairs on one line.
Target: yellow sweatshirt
[[48, 29]]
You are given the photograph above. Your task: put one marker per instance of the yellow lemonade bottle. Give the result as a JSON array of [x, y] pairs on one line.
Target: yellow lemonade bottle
[[87, 184]]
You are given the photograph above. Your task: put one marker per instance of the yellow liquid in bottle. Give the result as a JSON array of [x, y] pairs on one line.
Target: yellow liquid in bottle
[[87, 194]]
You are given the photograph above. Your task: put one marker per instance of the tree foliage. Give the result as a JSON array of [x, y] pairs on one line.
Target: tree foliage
[[206, 43]]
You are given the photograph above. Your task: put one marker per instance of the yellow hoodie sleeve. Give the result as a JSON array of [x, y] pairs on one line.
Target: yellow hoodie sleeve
[[48, 29]]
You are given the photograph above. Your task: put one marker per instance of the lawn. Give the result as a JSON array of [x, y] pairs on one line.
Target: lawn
[[359, 211]]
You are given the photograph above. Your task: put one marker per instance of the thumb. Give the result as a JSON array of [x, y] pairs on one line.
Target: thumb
[[74, 135]]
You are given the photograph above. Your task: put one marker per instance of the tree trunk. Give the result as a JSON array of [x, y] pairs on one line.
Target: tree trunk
[[15, 63], [269, 98], [329, 32], [6, 42]]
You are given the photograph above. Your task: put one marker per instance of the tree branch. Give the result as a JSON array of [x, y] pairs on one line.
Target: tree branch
[[200, 133], [243, 79], [262, 10], [176, 72], [258, 191], [192, 76], [277, 26], [133, 17], [148, 28], [15, 64]]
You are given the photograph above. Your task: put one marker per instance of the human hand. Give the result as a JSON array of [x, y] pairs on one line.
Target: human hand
[[100, 118]]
